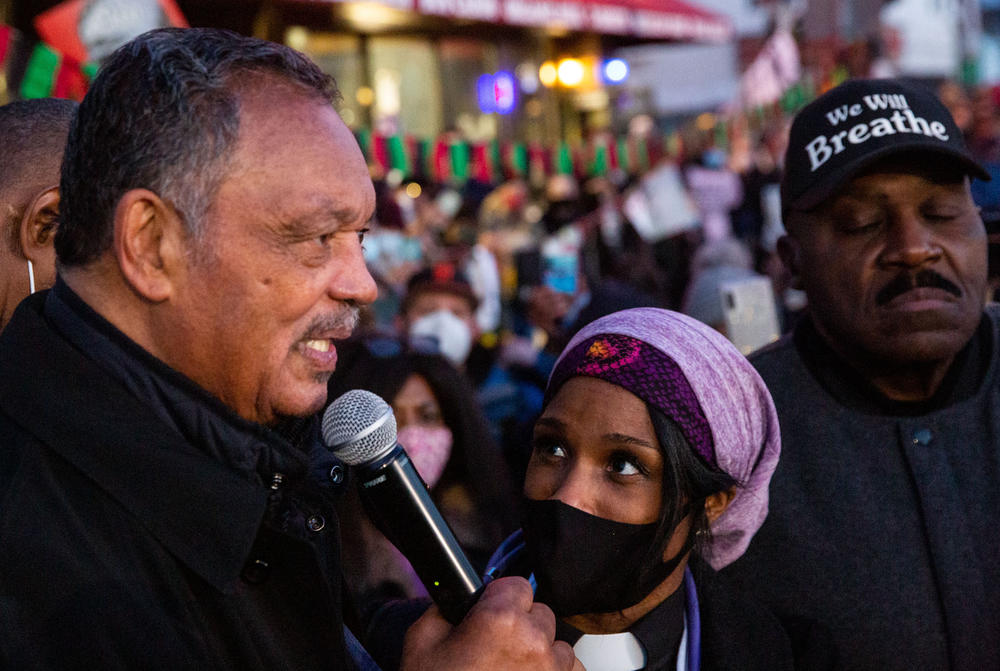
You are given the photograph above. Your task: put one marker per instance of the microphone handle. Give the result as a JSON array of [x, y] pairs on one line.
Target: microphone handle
[[401, 507]]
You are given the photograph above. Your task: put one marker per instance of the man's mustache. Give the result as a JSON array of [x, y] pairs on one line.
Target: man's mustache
[[904, 282], [345, 319]]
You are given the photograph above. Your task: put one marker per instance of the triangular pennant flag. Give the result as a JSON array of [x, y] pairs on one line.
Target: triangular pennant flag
[[397, 155], [459, 152], [621, 151], [6, 38], [506, 158], [482, 171], [425, 152], [539, 162], [442, 161], [380, 152], [564, 160], [519, 159], [496, 160], [40, 74], [599, 166], [364, 138]]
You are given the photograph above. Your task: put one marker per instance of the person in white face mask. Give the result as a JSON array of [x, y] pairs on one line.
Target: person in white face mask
[[439, 313], [32, 135]]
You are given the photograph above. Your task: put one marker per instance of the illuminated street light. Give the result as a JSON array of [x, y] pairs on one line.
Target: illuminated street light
[[527, 77], [373, 16], [570, 72], [365, 96], [615, 71], [496, 92], [548, 75]]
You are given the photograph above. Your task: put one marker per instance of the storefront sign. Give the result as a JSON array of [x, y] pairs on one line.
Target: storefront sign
[[610, 18], [653, 19], [655, 24], [567, 15], [479, 10]]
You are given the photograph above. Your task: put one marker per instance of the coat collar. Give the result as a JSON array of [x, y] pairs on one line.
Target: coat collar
[[204, 513], [964, 380]]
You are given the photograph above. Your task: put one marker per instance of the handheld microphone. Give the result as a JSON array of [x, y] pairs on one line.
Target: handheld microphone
[[360, 429]]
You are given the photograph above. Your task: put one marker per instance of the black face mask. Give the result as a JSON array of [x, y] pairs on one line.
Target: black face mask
[[588, 564]]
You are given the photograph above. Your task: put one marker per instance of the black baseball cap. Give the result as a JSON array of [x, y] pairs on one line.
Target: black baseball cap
[[863, 120]]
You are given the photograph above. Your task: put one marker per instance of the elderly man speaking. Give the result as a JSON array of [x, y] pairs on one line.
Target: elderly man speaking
[[156, 508], [885, 508]]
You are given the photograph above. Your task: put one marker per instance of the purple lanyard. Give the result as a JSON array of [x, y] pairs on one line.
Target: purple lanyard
[[693, 622]]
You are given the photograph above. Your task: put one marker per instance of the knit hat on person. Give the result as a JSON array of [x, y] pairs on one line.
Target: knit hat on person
[[859, 122], [699, 380]]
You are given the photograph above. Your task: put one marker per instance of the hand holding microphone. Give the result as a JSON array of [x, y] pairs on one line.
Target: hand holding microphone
[[360, 429], [506, 630]]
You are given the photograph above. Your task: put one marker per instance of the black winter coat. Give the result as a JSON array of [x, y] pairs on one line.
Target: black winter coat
[[124, 546], [883, 521]]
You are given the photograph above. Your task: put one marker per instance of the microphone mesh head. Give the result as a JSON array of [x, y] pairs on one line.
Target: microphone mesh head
[[359, 427]]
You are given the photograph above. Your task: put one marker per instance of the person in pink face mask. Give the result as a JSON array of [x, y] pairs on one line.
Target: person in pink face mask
[[446, 436]]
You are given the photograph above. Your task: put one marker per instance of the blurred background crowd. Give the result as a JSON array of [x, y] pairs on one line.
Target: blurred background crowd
[[521, 195]]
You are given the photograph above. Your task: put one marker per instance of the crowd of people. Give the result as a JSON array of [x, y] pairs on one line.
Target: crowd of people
[[189, 281]]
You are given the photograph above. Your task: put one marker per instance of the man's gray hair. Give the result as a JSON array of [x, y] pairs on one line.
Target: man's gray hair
[[163, 114]]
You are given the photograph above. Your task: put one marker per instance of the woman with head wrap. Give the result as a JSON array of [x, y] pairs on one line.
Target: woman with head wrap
[[650, 468]]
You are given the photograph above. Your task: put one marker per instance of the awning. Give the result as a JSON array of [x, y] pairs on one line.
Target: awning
[[678, 20], [649, 19]]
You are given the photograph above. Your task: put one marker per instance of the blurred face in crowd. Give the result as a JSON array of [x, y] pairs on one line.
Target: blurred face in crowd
[[416, 405], [422, 431], [443, 318], [427, 302], [894, 264], [278, 274]]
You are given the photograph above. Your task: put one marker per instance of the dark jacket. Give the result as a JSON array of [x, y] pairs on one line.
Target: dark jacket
[[738, 633], [124, 545], [884, 525]]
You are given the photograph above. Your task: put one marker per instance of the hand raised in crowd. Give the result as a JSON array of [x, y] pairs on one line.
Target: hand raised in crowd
[[504, 630]]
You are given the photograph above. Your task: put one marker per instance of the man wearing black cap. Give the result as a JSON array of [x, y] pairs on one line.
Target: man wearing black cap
[[886, 503]]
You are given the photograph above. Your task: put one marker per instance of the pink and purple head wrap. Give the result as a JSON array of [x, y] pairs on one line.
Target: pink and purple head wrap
[[699, 380]]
